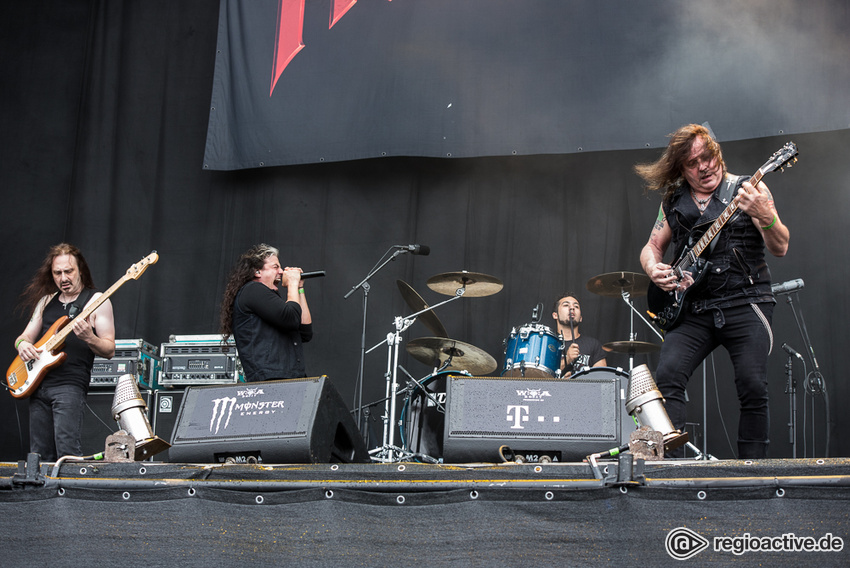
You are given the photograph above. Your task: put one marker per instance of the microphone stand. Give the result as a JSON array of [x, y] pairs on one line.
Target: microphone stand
[[791, 391], [817, 385], [364, 284]]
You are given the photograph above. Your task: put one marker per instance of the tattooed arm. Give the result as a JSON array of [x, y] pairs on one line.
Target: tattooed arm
[[653, 252], [757, 202]]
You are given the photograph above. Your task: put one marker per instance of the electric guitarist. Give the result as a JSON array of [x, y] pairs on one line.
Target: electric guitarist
[[733, 305], [63, 286]]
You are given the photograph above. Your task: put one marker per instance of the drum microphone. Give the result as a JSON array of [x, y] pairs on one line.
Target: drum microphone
[[787, 287], [424, 250], [316, 274]]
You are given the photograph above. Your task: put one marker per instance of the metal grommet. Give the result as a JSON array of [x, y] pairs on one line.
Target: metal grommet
[[537, 469], [334, 467], [259, 499], [549, 495], [780, 492], [83, 470], [191, 492], [125, 495], [61, 491], [820, 462], [400, 499], [401, 467], [329, 494], [624, 489], [701, 495], [142, 470], [748, 462], [473, 494], [605, 470]]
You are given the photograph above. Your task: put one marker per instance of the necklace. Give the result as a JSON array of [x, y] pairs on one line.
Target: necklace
[[701, 203]]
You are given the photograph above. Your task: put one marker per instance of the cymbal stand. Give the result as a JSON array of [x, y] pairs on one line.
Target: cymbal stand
[[632, 335], [389, 452]]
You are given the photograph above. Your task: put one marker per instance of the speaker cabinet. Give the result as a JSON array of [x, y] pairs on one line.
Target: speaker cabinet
[[166, 405], [562, 419], [289, 421], [98, 422]]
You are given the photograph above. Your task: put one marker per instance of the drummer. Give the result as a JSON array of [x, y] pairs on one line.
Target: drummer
[[583, 351]]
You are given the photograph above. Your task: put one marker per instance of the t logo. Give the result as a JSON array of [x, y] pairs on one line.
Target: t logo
[[517, 414]]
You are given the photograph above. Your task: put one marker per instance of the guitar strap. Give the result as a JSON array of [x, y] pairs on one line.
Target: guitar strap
[[725, 196], [80, 303]]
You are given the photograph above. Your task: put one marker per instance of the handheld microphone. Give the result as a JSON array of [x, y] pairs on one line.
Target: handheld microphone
[[790, 350], [424, 250], [788, 287], [316, 274]]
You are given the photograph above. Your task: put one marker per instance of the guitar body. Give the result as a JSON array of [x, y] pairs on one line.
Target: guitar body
[[24, 376], [669, 307]]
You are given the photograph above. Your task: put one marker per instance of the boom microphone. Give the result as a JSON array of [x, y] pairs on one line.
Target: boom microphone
[[787, 287], [316, 274], [424, 250], [790, 350]]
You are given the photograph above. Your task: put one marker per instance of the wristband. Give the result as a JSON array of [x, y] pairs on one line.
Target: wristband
[[301, 290], [772, 223], [19, 341]]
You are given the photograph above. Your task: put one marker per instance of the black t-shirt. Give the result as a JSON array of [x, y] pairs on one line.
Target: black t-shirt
[[79, 358], [590, 352]]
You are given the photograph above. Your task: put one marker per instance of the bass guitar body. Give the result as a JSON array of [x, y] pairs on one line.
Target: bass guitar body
[[23, 377]]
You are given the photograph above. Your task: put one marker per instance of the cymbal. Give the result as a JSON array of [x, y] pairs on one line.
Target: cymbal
[[614, 283], [417, 304], [631, 347], [475, 283], [435, 351]]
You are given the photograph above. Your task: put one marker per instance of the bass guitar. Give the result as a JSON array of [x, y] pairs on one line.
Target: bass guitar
[[23, 377], [667, 308]]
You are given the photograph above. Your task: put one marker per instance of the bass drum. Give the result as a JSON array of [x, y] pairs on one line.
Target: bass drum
[[423, 417], [627, 423]]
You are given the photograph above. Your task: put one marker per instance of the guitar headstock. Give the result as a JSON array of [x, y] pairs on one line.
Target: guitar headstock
[[139, 268], [785, 156]]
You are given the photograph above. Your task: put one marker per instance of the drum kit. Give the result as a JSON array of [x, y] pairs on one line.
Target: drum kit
[[532, 350]]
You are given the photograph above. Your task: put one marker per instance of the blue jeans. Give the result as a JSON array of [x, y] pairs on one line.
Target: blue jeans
[[748, 339], [56, 421]]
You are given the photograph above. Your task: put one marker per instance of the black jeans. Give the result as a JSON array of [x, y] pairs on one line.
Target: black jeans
[[56, 421], [745, 333]]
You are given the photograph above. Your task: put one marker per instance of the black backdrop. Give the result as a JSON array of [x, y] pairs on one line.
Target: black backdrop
[[104, 115]]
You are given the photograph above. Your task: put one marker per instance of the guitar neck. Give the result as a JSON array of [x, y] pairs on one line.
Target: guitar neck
[[721, 220]]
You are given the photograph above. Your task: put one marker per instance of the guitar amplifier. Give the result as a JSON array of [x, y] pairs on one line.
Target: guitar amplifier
[[136, 357], [199, 360]]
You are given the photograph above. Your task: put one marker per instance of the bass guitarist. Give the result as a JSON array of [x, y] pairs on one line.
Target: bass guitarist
[[731, 304], [63, 286]]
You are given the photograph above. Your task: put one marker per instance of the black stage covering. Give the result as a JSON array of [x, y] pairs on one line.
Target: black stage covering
[[160, 514]]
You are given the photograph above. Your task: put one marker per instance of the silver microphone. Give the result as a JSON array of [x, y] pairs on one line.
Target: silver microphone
[[788, 287], [424, 250]]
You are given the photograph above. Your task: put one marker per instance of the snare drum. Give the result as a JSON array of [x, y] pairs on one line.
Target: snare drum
[[532, 351]]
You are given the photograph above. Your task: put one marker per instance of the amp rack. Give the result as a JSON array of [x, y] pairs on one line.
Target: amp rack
[[136, 357], [199, 360]]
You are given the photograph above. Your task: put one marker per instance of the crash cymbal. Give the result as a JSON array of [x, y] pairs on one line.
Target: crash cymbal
[[435, 351], [631, 347], [417, 304], [615, 283], [475, 284]]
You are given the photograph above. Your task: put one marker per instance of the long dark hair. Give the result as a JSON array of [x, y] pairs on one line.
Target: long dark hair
[[249, 263], [665, 174], [43, 284]]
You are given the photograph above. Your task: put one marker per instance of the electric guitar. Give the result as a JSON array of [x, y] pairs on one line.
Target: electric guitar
[[667, 308], [24, 376]]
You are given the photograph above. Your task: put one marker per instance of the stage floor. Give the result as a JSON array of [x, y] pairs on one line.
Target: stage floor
[[774, 512]]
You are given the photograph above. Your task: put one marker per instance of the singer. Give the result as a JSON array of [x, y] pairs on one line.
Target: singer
[[581, 351], [733, 305], [269, 329]]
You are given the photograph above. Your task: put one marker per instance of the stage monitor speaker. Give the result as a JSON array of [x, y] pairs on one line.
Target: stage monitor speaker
[[288, 421], [166, 405], [564, 420], [98, 422]]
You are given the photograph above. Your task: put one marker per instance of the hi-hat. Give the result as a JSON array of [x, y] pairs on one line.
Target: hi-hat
[[474, 283], [435, 351], [417, 304], [615, 283], [631, 347]]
